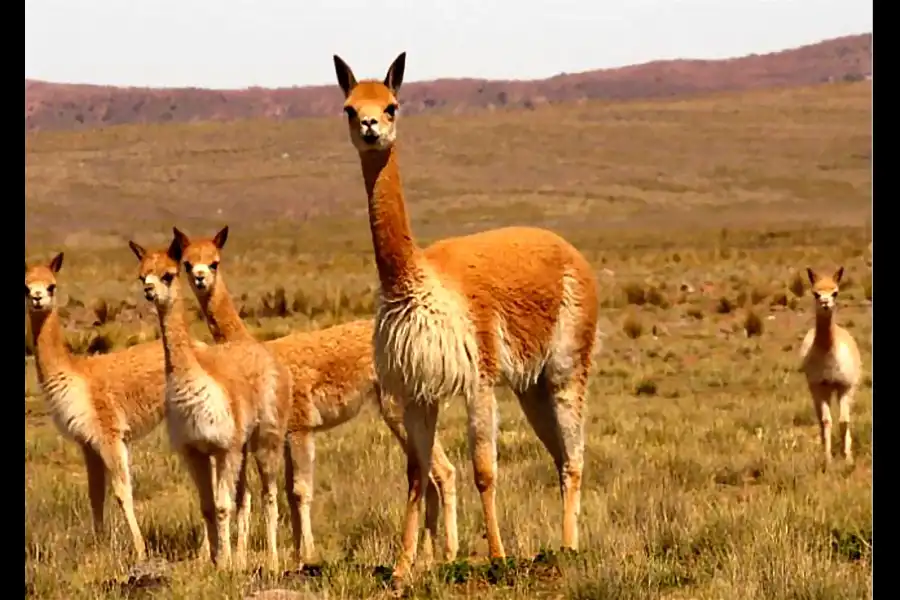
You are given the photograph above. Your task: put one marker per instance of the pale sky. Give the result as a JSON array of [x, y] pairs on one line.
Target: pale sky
[[280, 43]]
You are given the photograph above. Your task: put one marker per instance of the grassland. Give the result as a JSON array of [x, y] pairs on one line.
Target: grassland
[[700, 216]]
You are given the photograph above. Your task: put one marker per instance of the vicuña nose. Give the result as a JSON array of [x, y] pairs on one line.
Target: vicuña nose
[[368, 122]]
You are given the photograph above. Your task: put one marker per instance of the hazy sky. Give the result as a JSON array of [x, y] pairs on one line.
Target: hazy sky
[[240, 43]]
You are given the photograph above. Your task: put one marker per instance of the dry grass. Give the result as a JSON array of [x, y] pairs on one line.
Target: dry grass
[[701, 474]]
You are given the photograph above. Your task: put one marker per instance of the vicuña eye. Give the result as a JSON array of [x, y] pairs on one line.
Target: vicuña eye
[[391, 110], [51, 288], [214, 265], [188, 267], [168, 278], [350, 111]]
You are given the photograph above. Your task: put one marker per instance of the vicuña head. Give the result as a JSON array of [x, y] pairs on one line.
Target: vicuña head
[[825, 290], [158, 272], [200, 259], [371, 106], [40, 284]]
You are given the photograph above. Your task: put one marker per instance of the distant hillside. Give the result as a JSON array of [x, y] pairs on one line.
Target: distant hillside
[[68, 106]]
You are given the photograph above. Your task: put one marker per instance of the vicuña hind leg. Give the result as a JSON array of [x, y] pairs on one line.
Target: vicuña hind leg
[[299, 465], [441, 487], [555, 412], [821, 395], [420, 421], [482, 415], [845, 403]]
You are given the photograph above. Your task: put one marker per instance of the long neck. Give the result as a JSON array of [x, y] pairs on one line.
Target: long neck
[[223, 319], [824, 329], [176, 337], [51, 354], [395, 249]]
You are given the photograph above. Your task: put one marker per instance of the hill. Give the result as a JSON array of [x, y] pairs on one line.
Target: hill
[[54, 106], [771, 155]]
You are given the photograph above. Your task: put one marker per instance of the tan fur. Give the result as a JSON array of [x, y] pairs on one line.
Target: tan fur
[[102, 403], [515, 305], [222, 402], [333, 377], [831, 362]]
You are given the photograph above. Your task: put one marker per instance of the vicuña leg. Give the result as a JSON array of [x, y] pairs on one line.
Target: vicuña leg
[[299, 465], [420, 421], [242, 515], [443, 480], [482, 415], [205, 550], [200, 467], [116, 459], [845, 404], [267, 465], [96, 475], [555, 414], [821, 395], [441, 486], [226, 465]]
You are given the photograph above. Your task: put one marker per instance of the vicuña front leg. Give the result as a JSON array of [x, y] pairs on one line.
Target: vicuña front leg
[[267, 465], [120, 478], [420, 421], [845, 404], [226, 465], [482, 413], [200, 467], [441, 487], [96, 475], [299, 467], [242, 516], [444, 475], [821, 395]]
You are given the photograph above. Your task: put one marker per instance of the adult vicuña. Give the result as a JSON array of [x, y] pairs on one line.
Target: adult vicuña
[[831, 363], [515, 304], [221, 403], [101, 402], [333, 377]]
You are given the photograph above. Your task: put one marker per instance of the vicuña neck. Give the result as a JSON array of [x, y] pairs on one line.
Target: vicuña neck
[[51, 354], [176, 337], [223, 319], [395, 249], [824, 329]]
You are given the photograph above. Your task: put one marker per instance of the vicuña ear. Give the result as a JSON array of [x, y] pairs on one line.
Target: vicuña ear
[[838, 274], [345, 76], [394, 78], [811, 275], [221, 238], [56, 263], [174, 251], [182, 239], [137, 249]]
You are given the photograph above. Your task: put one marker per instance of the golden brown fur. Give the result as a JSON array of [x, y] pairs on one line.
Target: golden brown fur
[[333, 377], [831, 362], [515, 305], [222, 402], [102, 403]]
